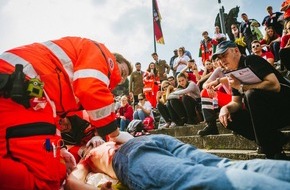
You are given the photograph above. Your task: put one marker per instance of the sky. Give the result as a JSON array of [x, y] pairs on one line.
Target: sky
[[124, 26]]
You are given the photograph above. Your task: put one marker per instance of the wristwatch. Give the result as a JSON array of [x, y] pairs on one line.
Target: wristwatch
[[241, 89]]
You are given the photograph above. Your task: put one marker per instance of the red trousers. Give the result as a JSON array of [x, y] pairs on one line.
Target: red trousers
[[28, 164], [223, 98]]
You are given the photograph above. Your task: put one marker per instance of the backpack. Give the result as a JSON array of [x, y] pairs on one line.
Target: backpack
[[148, 123], [136, 128]]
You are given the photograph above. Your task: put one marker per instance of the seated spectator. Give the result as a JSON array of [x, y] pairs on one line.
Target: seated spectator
[[161, 103], [124, 113], [151, 83], [143, 109], [267, 102], [181, 61], [163, 162], [208, 69], [172, 81], [218, 37], [240, 41], [215, 94], [188, 93], [272, 42], [191, 71], [273, 20], [285, 47], [257, 50], [206, 47]]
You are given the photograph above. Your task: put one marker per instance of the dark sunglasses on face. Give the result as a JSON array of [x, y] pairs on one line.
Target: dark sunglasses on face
[[255, 46], [140, 99]]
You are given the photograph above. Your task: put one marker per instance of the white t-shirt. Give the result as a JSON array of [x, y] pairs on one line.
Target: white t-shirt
[[180, 67], [147, 105]]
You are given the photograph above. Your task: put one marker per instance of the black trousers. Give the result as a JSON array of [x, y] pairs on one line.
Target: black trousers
[[284, 58], [266, 114], [177, 111], [191, 106], [164, 112]]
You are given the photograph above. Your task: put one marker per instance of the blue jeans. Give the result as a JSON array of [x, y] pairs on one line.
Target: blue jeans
[[163, 162], [123, 124], [139, 114]]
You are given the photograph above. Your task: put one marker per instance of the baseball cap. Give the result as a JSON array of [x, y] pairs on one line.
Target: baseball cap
[[223, 47]]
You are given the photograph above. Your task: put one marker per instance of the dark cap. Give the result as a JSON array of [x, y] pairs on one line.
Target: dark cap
[[223, 47]]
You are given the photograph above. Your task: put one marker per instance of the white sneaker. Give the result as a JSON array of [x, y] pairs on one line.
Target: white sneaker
[[172, 125], [164, 126]]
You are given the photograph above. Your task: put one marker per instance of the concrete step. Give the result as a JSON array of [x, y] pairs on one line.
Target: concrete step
[[188, 130], [225, 140]]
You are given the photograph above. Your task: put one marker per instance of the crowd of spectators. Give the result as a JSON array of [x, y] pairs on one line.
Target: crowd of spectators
[[192, 93]]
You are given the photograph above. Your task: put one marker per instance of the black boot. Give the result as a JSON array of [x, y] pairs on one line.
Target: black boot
[[210, 129]]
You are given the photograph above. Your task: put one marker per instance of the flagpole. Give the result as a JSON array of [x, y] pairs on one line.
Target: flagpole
[[154, 40]]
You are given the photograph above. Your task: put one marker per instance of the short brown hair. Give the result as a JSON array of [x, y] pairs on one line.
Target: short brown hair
[[255, 41], [120, 59], [204, 33]]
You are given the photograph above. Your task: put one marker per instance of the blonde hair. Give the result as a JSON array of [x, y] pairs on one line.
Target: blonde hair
[[164, 83]]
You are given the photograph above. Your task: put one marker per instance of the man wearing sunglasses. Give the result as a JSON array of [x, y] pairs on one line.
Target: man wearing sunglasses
[[266, 102], [257, 50]]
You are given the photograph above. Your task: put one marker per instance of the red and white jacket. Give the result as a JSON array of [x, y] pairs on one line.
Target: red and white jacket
[[76, 72]]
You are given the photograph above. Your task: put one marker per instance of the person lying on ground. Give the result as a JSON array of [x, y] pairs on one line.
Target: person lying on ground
[[164, 162]]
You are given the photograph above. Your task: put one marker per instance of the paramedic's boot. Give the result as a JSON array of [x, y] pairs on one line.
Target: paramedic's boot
[[210, 129]]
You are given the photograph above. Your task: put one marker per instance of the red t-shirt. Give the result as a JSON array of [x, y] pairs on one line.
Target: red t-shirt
[[284, 40]]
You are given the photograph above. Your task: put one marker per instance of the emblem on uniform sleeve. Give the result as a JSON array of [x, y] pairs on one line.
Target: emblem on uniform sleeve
[[111, 63]]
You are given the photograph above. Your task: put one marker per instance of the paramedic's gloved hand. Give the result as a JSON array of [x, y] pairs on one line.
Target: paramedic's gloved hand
[[122, 138], [69, 159], [95, 141]]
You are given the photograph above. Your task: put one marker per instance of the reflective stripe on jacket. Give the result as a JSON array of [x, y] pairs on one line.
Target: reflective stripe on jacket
[[75, 72]]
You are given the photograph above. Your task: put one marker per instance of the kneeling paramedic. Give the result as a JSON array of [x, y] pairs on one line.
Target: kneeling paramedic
[[41, 82]]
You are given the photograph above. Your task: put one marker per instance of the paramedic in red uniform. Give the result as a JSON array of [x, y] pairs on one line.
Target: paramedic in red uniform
[[58, 77]]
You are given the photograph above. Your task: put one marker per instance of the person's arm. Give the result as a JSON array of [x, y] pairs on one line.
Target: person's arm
[[76, 179], [225, 111], [144, 109], [184, 70], [167, 67], [176, 63], [191, 87], [269, 83], [131, 84], [195, 72]]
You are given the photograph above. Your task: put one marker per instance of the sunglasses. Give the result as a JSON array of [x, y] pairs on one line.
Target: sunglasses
[[255, 46], [140, 99]]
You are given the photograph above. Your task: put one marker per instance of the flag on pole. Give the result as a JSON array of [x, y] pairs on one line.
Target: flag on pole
[[157, 25]]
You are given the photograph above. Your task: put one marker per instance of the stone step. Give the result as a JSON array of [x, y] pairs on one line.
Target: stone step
[[188, 130], [226, 144], [225, 140], [192, 130]]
